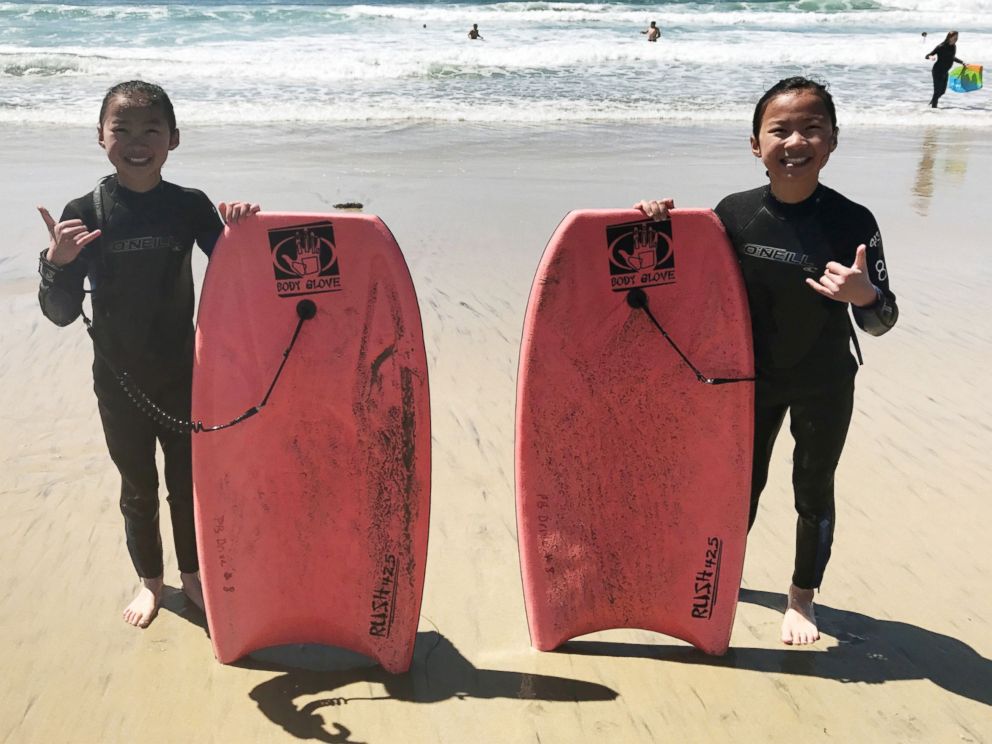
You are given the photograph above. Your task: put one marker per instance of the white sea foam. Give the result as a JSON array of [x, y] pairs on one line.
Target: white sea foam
[[329, 58], [264, 110]]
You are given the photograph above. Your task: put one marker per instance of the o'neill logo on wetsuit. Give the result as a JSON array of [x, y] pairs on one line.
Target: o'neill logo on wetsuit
[[150, 243], [781, 255], [640, 254], [305, 259]]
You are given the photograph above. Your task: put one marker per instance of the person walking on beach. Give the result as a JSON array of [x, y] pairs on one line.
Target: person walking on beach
[[474, 32], [132, 237], [653, 32], [806, 253], [944, 52]]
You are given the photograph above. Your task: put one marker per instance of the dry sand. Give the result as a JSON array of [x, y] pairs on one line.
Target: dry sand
[[905, 610]]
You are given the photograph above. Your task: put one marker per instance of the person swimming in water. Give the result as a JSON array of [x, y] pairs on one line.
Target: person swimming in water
[[474, 32], [653, 32]]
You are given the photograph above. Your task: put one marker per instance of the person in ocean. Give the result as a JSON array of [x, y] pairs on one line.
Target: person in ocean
[[944, 52], [132, 238], [806, 253], [474, 32], [653, 32]]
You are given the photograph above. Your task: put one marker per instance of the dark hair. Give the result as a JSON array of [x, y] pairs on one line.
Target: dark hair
[[794, 85], [140, 89], [947, 39]]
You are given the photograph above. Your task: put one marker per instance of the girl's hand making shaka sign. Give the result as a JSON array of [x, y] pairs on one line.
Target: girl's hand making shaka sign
[[67, 238], [847, 283]]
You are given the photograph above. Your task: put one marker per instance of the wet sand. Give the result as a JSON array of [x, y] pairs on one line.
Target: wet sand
[[905, 610]]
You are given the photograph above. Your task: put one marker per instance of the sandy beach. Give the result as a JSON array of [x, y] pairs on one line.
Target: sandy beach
[[905, 609]]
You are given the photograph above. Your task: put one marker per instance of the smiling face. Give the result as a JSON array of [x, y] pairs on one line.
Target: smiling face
[[794, 141], [137, 137]]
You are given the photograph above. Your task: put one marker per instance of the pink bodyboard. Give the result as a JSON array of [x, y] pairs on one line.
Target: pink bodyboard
[[632, 476], [312, 515]]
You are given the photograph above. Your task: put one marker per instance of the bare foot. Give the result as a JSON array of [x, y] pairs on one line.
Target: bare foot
[[144, 606], [799, 624], [192, 587]]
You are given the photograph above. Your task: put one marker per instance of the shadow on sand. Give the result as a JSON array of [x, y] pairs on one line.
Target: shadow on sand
[[439, 672], [868, 650], [174, 600]]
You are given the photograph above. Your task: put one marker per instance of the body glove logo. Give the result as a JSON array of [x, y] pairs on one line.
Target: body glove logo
[[641, 254], [305, 259]]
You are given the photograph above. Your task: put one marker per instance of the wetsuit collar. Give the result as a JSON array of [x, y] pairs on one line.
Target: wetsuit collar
[[784, 211], [120, 191]]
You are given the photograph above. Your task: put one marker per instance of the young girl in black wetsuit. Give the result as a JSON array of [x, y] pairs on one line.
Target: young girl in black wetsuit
[[132, 238], [806, 253], [944, 52]]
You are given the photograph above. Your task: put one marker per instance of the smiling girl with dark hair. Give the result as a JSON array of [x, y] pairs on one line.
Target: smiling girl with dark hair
[[806, 254]]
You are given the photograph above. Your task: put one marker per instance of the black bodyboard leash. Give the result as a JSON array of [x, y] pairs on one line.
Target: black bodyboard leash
[[305, 310], [638, 299]]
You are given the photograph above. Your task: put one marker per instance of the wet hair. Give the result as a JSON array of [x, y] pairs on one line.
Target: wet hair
[[794, 85], [947, 39], [139, 89]]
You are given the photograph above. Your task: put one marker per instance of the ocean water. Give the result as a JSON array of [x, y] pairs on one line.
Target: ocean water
[[392, 61]]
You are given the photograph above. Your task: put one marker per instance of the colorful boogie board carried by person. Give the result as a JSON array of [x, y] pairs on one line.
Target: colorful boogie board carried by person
[[132, 238], [806, 253]]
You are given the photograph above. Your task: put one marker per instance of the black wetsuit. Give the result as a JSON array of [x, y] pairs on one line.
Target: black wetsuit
[[802, 343], [142, 295], [945, 60]]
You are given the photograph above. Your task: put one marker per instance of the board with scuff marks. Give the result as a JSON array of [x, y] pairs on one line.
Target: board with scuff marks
[[632, 476], [312, 515]]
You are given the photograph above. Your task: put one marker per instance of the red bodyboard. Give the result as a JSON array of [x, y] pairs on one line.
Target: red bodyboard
[[632, 476], [312, 515]]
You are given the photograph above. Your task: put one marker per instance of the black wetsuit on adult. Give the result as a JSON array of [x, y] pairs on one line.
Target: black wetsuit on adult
[[945, 60], [142, 294], [802, 343]]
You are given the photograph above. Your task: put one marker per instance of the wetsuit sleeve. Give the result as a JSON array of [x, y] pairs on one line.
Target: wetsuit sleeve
[[933, 52], [881, 315], [207, 224], [61, 291]]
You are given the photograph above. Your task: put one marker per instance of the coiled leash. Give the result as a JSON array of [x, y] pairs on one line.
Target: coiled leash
[[305, 310], [637, 298]]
